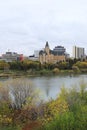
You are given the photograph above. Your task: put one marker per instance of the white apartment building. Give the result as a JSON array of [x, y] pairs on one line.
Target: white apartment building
[[78, 52]]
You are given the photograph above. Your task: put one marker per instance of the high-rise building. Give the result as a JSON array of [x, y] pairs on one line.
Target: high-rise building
[[78, 52]]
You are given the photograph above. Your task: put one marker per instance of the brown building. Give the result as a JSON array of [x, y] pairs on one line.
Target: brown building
[[52, 56]]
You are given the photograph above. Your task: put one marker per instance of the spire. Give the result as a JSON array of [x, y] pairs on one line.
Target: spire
[[47, 48], [47, 45]]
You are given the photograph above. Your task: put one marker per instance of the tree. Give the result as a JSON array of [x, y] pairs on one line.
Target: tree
[[21, 92], [63, 65], [4, 65]]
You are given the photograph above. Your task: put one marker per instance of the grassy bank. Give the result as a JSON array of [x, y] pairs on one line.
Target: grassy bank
[[44, 72]]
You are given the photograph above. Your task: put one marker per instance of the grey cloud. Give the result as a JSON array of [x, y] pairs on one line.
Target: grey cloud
[[25, 25]]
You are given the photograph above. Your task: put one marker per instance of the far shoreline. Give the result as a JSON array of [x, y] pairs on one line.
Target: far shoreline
[[16, 73]]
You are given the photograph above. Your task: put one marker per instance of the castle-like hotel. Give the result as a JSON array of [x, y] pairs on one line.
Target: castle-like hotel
[[52, 56]]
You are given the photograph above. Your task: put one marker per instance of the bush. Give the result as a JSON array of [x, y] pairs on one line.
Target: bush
[[81, 64], [56, 70], [75, 69]]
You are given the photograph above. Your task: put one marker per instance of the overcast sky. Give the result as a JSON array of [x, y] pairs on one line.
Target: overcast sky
[[25, 25]]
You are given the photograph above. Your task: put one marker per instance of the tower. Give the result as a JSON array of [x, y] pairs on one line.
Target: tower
[[47, 48]]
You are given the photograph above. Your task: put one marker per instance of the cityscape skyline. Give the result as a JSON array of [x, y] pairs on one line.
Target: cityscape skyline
[[46, 55], [30, 52], [76, 50], [25, 25]]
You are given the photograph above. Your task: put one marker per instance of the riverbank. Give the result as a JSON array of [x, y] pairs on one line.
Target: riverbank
[[16, 73]]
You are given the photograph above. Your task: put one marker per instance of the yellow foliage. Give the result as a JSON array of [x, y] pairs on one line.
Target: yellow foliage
[[54, 108], [5, 120], [58, 106]]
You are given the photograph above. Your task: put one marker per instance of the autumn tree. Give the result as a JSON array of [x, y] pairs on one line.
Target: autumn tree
[[21, 92]]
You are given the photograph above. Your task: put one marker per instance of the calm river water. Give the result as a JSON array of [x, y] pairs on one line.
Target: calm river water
[[49, 87]]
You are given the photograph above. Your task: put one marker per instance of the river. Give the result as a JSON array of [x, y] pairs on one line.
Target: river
[[49, 86]]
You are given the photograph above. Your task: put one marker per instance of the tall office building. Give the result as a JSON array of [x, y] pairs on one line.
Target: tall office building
[[78, 52]]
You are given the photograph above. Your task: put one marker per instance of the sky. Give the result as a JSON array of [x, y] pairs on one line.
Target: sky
[[26, 25]]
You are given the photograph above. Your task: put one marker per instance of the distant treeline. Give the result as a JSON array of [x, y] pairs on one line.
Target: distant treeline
[[70, 64]]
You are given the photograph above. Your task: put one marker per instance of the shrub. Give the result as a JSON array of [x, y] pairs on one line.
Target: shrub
[[69, 111], [75, 69], [56, 70]]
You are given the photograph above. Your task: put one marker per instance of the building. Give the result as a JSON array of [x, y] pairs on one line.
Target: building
[[78, 52], [35, 56], [12, 56], [36, 53], [59, 50], [52, 56]]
